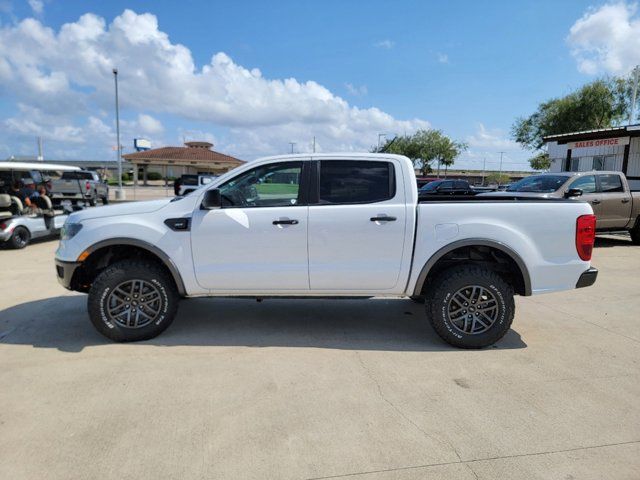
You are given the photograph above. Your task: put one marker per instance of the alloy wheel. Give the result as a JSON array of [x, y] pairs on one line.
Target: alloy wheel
[[134, 304], [473, 309]]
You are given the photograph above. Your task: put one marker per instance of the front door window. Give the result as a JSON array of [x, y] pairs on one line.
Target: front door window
[[276, 185]]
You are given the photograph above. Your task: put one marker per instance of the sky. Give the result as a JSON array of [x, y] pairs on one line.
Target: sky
[[252, 77]]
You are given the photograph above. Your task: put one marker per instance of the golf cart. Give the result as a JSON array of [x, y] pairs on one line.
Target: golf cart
[[19, 224]]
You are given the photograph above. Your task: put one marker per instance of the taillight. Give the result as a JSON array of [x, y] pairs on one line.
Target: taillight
[[87, 186], [585, 236]]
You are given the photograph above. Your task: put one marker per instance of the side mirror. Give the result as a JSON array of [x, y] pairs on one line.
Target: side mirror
[[573, 192], [212, 200]]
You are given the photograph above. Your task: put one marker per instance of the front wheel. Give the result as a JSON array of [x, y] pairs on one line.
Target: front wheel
[[470, 306], [132, 300]]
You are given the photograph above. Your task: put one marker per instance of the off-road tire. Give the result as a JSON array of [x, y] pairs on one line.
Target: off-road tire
[[452, 280], [20, 238], [124, 271]]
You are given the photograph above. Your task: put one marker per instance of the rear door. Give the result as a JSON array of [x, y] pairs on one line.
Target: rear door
[[615, 208], [357, 225]]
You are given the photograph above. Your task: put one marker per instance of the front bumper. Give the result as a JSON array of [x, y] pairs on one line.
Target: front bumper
[[587, 278], [65, 271]]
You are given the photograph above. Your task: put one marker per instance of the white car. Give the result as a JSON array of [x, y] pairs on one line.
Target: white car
[[329, 225]]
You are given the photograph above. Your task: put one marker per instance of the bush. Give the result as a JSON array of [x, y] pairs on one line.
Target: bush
[[154, 176]]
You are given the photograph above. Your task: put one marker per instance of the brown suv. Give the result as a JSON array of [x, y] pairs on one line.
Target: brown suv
[[615, 205]]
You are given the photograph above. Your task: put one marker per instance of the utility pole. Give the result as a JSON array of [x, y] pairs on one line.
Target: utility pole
[[500, 176], [40, 157], [636, 73], [484, 169], [119, 192], [314, 144], [380, 135], [292, 145]]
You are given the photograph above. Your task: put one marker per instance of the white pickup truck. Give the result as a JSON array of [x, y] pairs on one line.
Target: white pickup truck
[[329, 225]]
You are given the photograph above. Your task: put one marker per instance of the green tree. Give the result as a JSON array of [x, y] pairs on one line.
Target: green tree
[[540, 162], [498, 178], [425, 147], [599, 104]]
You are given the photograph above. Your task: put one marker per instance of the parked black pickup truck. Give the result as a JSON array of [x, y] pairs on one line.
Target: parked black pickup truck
[[447, 187]]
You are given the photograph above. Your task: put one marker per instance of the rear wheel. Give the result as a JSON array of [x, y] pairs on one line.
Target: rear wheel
[[132, 300], [105, 200], [635, 233], [20, 238], [470, 306]]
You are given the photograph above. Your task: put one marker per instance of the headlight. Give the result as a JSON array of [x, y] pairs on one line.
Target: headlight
[[70, 230]]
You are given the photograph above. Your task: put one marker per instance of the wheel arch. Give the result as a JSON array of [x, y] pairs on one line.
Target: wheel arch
[[470, 243], [137, 246]]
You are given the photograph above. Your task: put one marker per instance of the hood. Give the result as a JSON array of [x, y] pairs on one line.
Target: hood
[[127, 208]]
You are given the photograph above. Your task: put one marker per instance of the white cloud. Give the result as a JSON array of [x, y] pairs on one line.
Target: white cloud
[[607, 39], [69, 71], [37, 6], [356, 91], [485, 145], [442, 58], [490, 139], [149, 125], [386, 44]]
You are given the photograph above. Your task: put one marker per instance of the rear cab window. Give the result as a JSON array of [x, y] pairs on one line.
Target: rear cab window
[[356, 182]]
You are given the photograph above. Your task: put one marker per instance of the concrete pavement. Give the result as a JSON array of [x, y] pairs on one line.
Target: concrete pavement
[[320, 388]]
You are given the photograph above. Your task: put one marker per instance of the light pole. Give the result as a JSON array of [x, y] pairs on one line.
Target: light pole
[[500, 176], [119, 192], [484, 170], [635, 72], [293, 144]]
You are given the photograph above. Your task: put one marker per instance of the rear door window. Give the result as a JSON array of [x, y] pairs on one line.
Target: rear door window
[[445, 186], [610, 184], [348, 182]]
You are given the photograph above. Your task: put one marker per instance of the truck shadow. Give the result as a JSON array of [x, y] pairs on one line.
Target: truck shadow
[[378, 324], [618, 240]]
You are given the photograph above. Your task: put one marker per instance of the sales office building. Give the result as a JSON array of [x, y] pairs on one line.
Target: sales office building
[[616, 149]]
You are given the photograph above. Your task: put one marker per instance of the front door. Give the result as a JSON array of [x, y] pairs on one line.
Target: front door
[[590, 194], [358, 226], [615, 208], [257, 242]]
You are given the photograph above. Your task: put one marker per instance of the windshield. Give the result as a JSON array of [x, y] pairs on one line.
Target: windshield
[[431, 186], [538, 183]]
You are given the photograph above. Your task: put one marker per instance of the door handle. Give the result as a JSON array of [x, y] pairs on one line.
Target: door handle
[[595, 202], [285, 222], [383, 218], [625, 200]]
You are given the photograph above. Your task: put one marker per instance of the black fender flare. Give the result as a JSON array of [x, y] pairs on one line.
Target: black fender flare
[[470, 242], [160, 254]]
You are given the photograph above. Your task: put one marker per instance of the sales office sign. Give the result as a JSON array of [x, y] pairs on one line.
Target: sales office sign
[[601, 142]]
